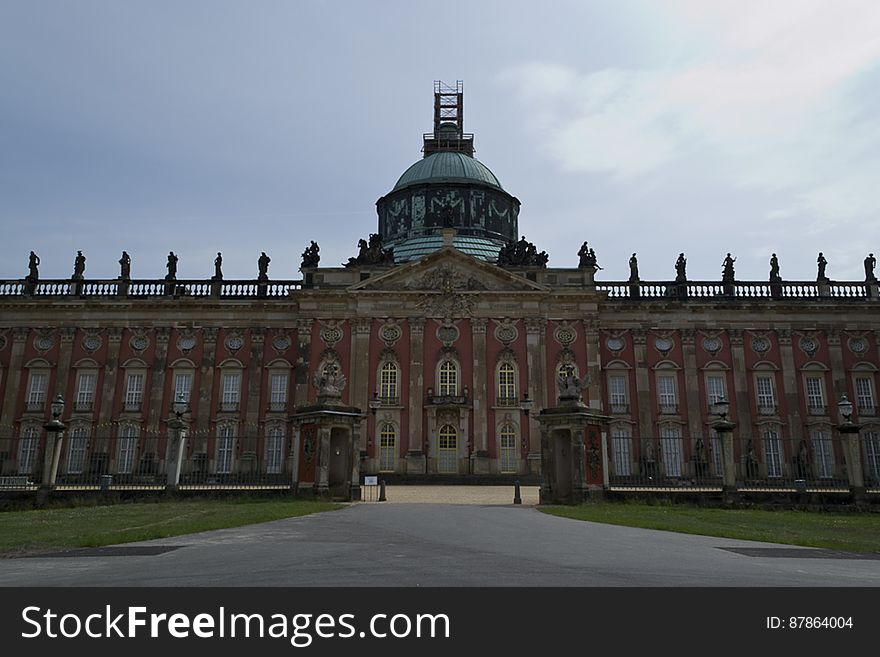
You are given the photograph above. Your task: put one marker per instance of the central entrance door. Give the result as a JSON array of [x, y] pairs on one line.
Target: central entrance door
[[447, 450]]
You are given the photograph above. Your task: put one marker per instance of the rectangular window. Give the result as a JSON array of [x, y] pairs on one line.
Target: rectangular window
[[865, 396], [715, 389], [388, 384], [448, 379], [507, 386], [622, 450], [772, 453], [85, 391], [815, 396], [225, 446], [231, 388], [670, 440], [76, 450], [128, 436], [872, 457], [617, 393], [766, 395], [823, 455], [134, 391], [183, 386], [274, 450], [37, 391], [278, 391], [666, 390], [27, 449]]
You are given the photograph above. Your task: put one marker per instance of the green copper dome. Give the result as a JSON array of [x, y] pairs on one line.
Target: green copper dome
[[447, 166]]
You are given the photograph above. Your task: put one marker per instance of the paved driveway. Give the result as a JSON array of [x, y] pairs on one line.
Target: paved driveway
[[394, 544]]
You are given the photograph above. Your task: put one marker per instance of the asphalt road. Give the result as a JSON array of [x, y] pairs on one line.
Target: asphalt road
[[441, 545]]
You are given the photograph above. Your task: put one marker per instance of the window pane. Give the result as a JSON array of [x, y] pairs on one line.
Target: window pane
[[387, 448], [183, 386], [715, 388], [508, 448]]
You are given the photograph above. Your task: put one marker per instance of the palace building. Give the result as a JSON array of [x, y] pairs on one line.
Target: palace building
[[449, 334]]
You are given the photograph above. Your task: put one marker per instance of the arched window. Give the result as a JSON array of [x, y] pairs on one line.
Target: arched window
[[507, 385], [274, 449], [389, 377], [507, 445], [448, 383], [447, 461], [387, 448]]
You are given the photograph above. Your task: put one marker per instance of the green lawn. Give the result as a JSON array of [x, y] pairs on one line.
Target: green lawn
[[855, 532], [37, 531]]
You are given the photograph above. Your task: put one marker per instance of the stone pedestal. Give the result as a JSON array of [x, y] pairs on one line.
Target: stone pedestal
[[415, 463], [480, 463]]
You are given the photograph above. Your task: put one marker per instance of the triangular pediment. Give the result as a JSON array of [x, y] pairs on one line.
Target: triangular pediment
[[449, 270]]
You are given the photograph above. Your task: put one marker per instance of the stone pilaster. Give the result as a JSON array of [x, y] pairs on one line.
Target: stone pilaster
[[643, 401], [303, 358], [62, 371], [838, 372], [789, 382], [360, 389], [740, 382], [253, 412], [14, 376], [322, 469], [111, 373], [157, 378], [206, 383], [692, 384], [596, 391], [540, 390], [416, 457], [479, 387]]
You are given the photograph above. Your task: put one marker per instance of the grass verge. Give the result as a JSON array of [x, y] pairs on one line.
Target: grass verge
[[852, 532], [28, 532]]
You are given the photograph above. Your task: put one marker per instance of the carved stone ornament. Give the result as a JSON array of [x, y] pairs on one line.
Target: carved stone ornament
[[447, 333], [390, 332], [760, 344], [281, 343], [139, 342], [445, 278], [3, 342], [233, 342], [506, 332], [809, 345], [565, 334], [446, 304], [186, 342], [615, 344], [663, 344], [857, 345], [44, 341], [712, 344], [507, 355], [331, 333], [570, 388], [329, 384], [91, 342]]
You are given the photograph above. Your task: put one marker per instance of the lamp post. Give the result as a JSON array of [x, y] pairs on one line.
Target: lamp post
[[849, 432], [374, 405], [724, 428], [54, 441], [176, 445]]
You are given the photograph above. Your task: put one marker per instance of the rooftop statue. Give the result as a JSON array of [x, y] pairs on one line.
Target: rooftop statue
[[371, 253], [821, 263], [263, 266], [870, 263], [125, 266], [172, 267], [774, 269], [727, 275], [218, 268], [33, 267], [681, 269], [633, 269], [311, 257], [522, 254], [79, 266]]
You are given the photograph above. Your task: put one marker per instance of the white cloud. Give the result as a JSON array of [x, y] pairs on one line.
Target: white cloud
[[772, 100]]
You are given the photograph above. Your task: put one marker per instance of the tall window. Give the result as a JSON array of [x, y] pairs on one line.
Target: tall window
[[772, 453], [447, 461], [617, 393], [274, 449], [231, 391], [37, 391], [507, 445], [128, 437], [621, 450], [387, 448], [225, 445], [670, 440], [134, 391], [766, 395], [715, 389], [85, 391], [278, 391], [27, 449], [448, 378], [865, 395], [815, 396], [389, 377], [822, 454], [872, 456], [666, 393], [507, 385], [183, 386], [76, 450]]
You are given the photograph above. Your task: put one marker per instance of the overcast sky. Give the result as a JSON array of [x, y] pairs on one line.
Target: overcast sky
[[655, 127]]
